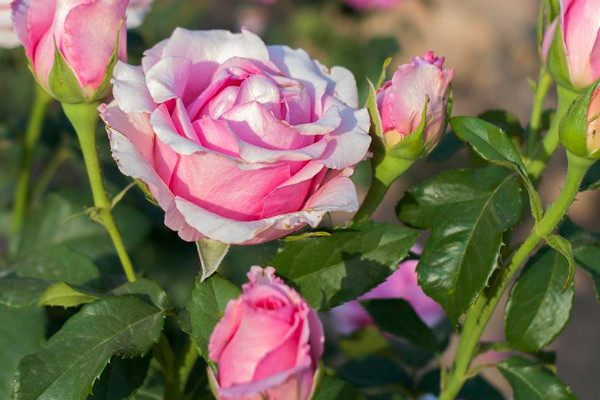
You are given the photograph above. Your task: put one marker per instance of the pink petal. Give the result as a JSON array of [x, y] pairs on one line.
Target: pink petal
[[130, 89], [89, 38], [168, 78]]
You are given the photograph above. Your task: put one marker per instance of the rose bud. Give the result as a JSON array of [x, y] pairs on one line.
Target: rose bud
[[268, 344], [580, 127], [570, 48], [8, 37], [402, 284], [237, 141], [413, 102], [72, 45], [136, 11]]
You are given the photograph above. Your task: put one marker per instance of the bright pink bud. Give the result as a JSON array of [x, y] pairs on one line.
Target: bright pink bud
[[578, 26], [401, 101], [8, 37], [83, 32], [402, 284], [268, 344]]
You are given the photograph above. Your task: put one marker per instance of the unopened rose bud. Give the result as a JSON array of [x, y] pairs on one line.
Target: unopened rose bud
[[414, 101], [72, 45], [580, 127], [570, 48]]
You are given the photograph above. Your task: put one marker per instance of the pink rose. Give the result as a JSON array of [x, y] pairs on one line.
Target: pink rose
[[580, 27], [402, 284], [237, 141], [368, 5], [268, 344], [402, 99], [136, 11], [8, 37], [84, 32]]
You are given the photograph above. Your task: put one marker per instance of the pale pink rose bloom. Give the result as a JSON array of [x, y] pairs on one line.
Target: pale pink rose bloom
[[8, 37], [368, 5], [402, 99], [268, 344], [237, 141], [136, 11], [402, 284], [580, 22], [84, 32]]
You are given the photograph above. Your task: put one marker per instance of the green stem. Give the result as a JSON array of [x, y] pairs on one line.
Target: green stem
[[30, 139], [543, 85], [84, 118], [479, 314], [186, 364], [543, 151], [385, 172]]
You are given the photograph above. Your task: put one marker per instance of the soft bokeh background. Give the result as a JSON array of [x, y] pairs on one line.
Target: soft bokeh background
[[491, 44]]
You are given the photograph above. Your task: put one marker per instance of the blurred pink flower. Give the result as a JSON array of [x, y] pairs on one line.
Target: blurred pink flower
[[367, 5], [8, 37], [402, 284]]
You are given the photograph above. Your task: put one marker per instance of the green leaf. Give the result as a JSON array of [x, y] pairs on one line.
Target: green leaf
[[468, 212], [121, 379], [494, 145], [21, 332], [57, 263], [146, 290], [396, 316], [207, 305], [364, 342], [329, 271], [68, 365], [374, 371], [54, 223], [335, 389], [62, 295], [563, 246], [211, 253], [538, 310], [21, 292], [530, 381]]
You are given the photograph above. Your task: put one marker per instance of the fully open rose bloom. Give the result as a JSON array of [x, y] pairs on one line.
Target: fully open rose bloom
[[237, 141], [8, 37], [402, 99], [84, 32], [268, 343], [579, 27], [402, 284]]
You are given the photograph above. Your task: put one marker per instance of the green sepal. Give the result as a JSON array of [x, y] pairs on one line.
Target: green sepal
[[556, 60], [549, 11], [62, 81], [574, 126], [383, 75], [414, 145]]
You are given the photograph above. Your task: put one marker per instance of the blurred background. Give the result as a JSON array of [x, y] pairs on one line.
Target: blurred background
[[491, 44]]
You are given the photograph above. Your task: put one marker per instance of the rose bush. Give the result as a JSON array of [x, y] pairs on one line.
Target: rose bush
[[268, 343], [238, 142], [83, 33]]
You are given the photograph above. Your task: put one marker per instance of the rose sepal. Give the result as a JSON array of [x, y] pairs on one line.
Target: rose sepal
[[65, 86], [556, 60], [577, 134]]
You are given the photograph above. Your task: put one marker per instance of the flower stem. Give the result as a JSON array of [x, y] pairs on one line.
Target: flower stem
[[84, 118], [543, 85], [385, 172], [479, 314], [30, 140], [543, 151]]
